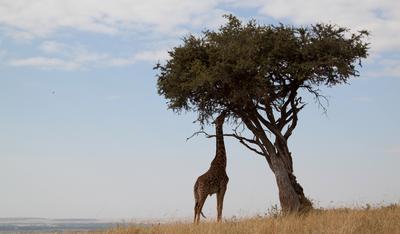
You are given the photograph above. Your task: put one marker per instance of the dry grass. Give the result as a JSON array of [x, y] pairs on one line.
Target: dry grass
[[366, 220]]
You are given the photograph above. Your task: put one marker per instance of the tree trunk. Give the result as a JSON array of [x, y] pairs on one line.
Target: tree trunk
[[291, 194], [278, 156]]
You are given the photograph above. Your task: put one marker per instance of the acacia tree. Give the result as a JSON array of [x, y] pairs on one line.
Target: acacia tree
[[255, 73]]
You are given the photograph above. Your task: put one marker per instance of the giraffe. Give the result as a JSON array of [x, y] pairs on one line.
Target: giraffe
[[215, 180]]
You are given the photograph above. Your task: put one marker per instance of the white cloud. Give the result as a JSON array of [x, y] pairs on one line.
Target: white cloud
[[44, 63], [384, 67], [52, 47], [381, 18], [25, 19], [152, 56], [391, 67], [61, 56], [39, 18]]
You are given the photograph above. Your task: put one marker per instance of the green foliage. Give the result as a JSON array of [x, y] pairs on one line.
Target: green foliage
[[241, 65]]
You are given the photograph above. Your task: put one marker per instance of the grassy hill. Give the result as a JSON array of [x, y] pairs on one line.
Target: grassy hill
[[362, 220]]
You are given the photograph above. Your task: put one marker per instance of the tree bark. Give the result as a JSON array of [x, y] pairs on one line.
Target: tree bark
[[287, 195], [291, 195]]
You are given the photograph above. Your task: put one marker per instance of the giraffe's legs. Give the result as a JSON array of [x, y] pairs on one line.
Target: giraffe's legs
[[198, 207], [195, 211], [220, 203]]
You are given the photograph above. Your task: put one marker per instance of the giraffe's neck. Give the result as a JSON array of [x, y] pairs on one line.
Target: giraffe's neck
[[220, 155]]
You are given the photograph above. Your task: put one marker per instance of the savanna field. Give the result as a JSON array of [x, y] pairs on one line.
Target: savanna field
[[342, 220]]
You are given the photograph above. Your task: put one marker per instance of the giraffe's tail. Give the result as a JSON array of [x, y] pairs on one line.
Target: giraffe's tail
[[201, 212]]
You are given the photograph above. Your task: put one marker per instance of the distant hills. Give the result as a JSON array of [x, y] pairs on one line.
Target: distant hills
[[32, 224]]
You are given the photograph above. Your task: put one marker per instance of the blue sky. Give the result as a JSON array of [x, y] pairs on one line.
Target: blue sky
[[85, 135]]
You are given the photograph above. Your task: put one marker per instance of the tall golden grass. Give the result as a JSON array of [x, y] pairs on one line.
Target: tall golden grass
[[365, 220]]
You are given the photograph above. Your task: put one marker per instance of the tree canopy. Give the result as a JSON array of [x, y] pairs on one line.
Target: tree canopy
[[250, 64]]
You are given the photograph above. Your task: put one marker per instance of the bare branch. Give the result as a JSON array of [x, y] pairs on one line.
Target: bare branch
[[240, 124], [317, 97], [197, 133], [243, 140]]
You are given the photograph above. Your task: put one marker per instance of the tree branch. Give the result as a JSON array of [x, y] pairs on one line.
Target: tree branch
[[294, 104], [317, 97], [197, 133], [270, 126], [241, 139], [255, 126]]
